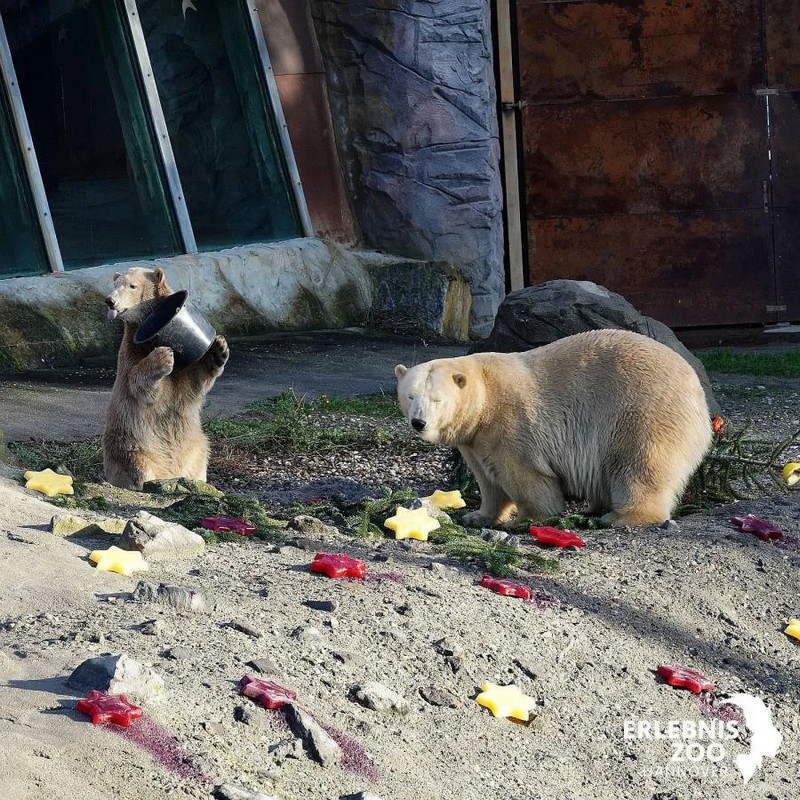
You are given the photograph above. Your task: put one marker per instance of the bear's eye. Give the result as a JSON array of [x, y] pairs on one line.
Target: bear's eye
[[132, 286]]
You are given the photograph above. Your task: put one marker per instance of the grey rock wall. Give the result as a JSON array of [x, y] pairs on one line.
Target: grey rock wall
[[411, 85]]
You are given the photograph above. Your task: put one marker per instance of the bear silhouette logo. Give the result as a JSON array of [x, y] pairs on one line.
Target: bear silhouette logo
[[765, 738]]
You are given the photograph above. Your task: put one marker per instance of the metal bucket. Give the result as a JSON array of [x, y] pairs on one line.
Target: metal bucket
[[174, 323]]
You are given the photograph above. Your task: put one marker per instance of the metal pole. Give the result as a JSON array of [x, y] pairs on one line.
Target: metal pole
[[160, 127], [30, 162], [277, 110]]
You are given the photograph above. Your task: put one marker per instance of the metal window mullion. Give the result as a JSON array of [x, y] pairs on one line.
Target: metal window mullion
[[156, 113], [280, 119], [30, 162]]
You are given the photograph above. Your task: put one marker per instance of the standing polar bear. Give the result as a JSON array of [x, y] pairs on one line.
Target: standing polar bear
[[607, 416], [153, 426]]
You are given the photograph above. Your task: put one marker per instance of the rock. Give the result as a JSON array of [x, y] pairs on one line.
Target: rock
[[454, 662], [179, 653], [71, 525], [433, 511], [214, 728], [153, 627], [228, 791], [439, 697], [360, 796], [539, 315], [118, 674], [528, 668], [181, 486], [286, 748], [311, 527], [245, 627], [318, 744], [172, 596], [322, 605], [448, 647], [307, 634], [501, 537], [159, 540], [378, 697], [250, 717], [264, 666]]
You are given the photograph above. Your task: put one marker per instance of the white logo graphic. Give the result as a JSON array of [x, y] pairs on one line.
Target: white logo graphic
[[766, 738]]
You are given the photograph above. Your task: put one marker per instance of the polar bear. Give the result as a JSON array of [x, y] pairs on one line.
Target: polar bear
[[607, 416], [153, 426]]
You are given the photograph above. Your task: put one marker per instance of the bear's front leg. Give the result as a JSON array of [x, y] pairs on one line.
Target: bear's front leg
[[496, 506], [146, 378], [206, 371]]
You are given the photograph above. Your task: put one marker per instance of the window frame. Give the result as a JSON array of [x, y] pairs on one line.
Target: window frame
[[156, 119]]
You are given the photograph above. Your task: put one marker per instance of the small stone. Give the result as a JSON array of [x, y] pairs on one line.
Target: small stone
[[179, 653], [318, 744], [245, 627], [322, 605], [448, 647], [228, 791], [214, 728], [527, 668], [71, 525], [172, 596], [406, 609], [118, 674], [439, 697], [669, 525], [454, 662], [439, 568], [158, 539], [286, 748], [360, 796], [378, 697], [247, 716], [307, 634], [311, 527], [181, 486], [264, 666], [153, 627], [729, 616]]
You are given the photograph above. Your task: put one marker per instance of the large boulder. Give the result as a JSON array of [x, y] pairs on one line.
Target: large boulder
[[542, 314]]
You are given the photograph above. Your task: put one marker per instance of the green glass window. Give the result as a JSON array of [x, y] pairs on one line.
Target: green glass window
[[93, 139], [217, 112], [21, 247]]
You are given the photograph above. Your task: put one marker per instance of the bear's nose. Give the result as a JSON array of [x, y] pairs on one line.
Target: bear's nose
[[110, 301], [418, 424]]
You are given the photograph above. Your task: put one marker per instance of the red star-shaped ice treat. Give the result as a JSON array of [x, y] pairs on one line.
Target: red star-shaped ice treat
[[763, 528], [556, 537], [507, 588], [338, 566], [102, 707], [685, 678], [240, 526], [268, 693]]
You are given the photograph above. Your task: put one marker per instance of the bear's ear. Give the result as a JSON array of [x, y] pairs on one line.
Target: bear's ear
[[158, 276], [117, 276], [460, 379], [399, 371]]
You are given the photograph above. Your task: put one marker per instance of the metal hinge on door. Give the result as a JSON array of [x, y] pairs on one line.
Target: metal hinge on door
[[765, 195], [518, 105]]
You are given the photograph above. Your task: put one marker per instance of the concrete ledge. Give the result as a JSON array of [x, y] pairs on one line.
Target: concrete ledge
[[302, 284]]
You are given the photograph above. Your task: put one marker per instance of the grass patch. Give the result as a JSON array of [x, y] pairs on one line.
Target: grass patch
[[779, 365], [84, 459], [296, 425]]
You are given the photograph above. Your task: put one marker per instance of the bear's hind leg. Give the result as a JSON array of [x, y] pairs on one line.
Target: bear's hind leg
[[542, 498], [646, 508]]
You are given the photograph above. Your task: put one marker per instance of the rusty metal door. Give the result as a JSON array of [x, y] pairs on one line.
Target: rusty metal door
[[646, 152]]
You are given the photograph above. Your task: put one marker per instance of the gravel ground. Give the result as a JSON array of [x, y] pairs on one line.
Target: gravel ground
[[699, 593]]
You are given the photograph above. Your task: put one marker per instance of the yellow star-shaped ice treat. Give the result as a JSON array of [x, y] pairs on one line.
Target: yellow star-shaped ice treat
[[793, 628], [441, 499], [126, 562], [791, 473], [49, 482], [506, 701], [408, 524]]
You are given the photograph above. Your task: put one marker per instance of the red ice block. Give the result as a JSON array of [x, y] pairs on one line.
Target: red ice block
[[507, 588], [270, 694], [685, 678], [556, 537], [338, 566], [240, 526], [717, 424], [763, 528], [102, 707]]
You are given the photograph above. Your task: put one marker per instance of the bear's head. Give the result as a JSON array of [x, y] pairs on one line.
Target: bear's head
[[135, 294], [436, 399]]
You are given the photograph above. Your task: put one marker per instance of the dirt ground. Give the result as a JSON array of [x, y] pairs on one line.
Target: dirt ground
[[700, 593]]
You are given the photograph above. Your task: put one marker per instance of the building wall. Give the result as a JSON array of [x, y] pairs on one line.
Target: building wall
[[411, 84]]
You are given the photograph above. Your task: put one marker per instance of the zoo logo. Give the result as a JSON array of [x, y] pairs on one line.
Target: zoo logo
[[694, 742]]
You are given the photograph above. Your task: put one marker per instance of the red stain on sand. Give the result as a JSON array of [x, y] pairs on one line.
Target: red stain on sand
[[164, 748], [354, 757]]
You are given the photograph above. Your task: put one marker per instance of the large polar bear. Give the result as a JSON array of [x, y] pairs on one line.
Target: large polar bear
[[607, 416], [153, 426]]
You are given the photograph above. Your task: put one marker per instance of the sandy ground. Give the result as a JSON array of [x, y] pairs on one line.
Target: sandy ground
[[701, 594]]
